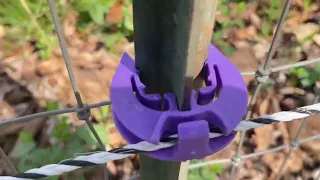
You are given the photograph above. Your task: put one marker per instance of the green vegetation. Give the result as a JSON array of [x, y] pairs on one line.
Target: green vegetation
[[206, 173], [270, 16], [65, 142], [217, 37], [305, 77], [30, 20]]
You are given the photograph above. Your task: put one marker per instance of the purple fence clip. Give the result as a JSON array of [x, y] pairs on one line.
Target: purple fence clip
[[138, 117]]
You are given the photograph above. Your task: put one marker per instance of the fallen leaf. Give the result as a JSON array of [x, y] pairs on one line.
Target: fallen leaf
[[298, 3], [219, 17], [263, 137], [14, 67], [265, 104], [5, 86], [295, 162], [112, 168], [245, 14], [16, 101], [246, 33], [96, 60], [7, 111], [292, 90], [30, 72], [305, 30], [116, 140], [312, 50], [51, 65], [129, 48], [254, 171], [241, 44], [91, 44], [306, 46], [118, 47], [261, 48], [69, 23], [48, 87], [282, 79], [274, 161], [115, 14], [316, 39], [295, 18], [255, 20], [244, 60], [312, 128], [85, 60], [127, 168], [95, 84], [73, 38]]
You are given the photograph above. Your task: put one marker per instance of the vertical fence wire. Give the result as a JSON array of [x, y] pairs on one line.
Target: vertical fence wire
[[294, 143], [63, 46], [27, 118], [7, 161], [261, 77]]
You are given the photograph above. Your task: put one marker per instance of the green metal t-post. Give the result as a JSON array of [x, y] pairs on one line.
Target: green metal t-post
[[171, 43]]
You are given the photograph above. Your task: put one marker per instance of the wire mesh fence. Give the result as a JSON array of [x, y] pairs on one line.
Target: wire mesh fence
[[262, 75]]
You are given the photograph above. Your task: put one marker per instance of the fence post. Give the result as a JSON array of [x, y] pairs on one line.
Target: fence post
[[171, 43]]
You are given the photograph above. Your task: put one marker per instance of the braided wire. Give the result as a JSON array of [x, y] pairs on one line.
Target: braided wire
[[142, 147], [125, 151], [96, 158]]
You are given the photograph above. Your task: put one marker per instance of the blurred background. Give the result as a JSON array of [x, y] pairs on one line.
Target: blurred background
[[33, 78]]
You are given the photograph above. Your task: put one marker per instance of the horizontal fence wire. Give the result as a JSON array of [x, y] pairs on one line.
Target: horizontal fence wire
[[252, 155], [82, 109], [87, 159], [284, 67], [27, 118], [261, 76], [76, 109], [30, 117]]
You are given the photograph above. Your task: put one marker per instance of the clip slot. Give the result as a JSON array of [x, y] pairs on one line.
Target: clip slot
[[138, 117]]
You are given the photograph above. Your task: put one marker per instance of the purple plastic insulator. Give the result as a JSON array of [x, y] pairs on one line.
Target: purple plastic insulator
[[219, 107]]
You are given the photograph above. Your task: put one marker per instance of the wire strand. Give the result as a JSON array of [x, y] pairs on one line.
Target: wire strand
[[260, 82], [96, 158]]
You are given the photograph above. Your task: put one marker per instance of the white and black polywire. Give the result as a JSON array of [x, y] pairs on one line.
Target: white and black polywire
[[96, 158]]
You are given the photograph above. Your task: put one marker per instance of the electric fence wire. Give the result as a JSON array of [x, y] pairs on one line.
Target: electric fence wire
[[97, 158]]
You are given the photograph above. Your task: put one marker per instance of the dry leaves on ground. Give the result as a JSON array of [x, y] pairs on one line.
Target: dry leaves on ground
[[312, 128], [115, 14], [15, 101]]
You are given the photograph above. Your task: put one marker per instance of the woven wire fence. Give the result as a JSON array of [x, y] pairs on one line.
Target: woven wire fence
[[261, 76]]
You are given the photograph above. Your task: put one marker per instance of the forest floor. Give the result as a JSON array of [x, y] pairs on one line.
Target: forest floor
[[33, 78]]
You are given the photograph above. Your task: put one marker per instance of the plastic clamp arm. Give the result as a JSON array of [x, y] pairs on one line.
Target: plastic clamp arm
[[138, 116]]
